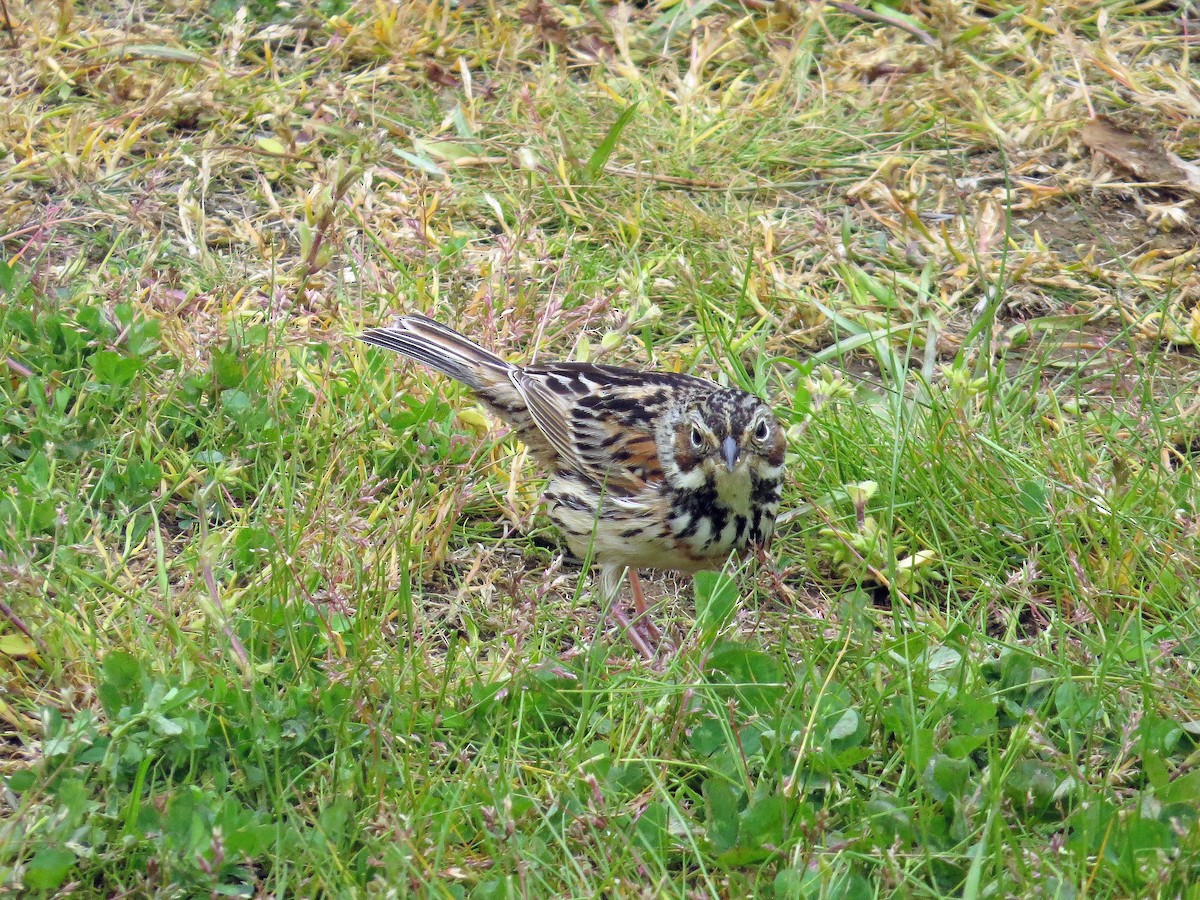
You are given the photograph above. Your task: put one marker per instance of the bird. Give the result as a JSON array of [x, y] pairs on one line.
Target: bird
[[647, 469]]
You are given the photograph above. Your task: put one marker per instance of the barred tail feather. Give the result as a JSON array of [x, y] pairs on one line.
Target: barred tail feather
[[442, 349]]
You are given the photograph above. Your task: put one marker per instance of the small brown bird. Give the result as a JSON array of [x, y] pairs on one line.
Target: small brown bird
[[651, 470]]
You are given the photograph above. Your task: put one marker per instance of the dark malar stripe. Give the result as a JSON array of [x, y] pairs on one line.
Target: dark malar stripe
[[764, 491], [697, 505]]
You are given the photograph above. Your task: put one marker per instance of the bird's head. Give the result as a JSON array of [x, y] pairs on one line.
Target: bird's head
[[724, 437]]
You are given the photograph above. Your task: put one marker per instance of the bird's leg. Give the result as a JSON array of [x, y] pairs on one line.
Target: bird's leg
[[631, 629], [610, 583], [641, 612]]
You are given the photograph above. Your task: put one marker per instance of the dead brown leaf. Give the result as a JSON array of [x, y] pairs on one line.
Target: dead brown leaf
[[546, 22], [1144, 156]]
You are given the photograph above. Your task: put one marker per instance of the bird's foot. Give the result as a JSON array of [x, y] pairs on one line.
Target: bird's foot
[[644, 643]]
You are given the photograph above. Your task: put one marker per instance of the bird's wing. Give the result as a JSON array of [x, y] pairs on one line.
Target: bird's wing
[[601, 419]]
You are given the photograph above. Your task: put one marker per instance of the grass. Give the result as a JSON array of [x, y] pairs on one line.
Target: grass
[[281, 615]]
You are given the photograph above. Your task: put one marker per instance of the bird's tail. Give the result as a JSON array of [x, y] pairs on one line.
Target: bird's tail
[[443, 349]]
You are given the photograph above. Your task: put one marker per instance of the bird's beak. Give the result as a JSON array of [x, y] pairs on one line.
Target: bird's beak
[[729, 447]]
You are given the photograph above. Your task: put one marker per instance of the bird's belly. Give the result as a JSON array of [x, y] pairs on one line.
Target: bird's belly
[[618, 534], [637, 532]]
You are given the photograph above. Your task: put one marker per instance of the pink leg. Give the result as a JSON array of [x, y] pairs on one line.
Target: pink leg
[[641, 612], [635, 636], [642, 633]]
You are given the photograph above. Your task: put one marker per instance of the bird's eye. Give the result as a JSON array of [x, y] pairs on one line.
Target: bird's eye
[[697, 438], [763, 431]]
